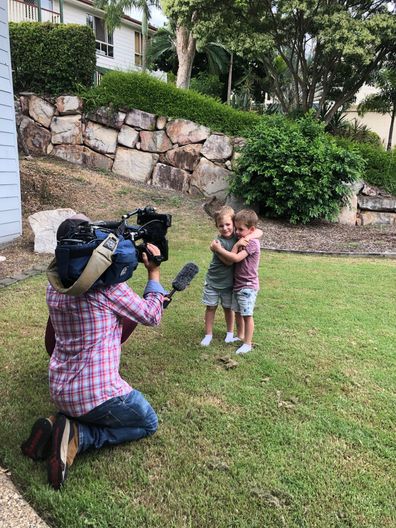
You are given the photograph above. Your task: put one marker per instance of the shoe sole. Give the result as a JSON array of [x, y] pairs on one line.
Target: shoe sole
[[37, 446], [57, 466]]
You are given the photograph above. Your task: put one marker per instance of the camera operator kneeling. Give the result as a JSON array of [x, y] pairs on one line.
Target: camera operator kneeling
[[96, 407]]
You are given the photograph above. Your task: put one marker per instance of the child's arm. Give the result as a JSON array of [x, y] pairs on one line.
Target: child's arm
[[213, 246], [243, 242], [228, 257]]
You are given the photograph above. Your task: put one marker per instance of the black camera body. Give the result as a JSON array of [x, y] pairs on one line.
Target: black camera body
[[151, 227]]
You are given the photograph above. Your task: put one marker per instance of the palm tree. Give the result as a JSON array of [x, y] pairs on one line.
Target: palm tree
[[384, 101], [114, 9]]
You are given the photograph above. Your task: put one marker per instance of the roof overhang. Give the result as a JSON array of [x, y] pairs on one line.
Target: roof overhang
[[125, 18]]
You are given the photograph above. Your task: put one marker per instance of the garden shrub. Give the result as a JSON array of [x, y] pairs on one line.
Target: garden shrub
[[295, 170], [380, 164], [126, 90], [51, 58], [207, 84]]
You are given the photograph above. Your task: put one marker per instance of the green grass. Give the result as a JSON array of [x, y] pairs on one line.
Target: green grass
[[300, 434]]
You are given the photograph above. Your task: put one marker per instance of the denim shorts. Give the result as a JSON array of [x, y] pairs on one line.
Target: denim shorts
[[243, 301], [212, 297]]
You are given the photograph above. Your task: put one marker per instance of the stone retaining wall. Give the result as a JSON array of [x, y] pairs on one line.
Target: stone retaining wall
[[369, 205], [176, 154]]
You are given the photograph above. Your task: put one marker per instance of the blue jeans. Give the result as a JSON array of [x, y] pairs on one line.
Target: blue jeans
[[117, 420]]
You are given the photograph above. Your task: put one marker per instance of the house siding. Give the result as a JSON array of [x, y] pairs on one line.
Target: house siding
[[124, 38], [10, 194]]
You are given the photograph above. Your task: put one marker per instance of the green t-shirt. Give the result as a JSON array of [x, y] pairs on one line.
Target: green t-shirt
[[219, 275]]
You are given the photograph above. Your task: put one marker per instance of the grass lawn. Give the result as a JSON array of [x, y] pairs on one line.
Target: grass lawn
[[300, 434]]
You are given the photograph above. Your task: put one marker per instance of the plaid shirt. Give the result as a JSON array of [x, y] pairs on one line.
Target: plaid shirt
[[83, 370]]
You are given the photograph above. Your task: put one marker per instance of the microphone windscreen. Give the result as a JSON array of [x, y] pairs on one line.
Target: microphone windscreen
[[185, 276]]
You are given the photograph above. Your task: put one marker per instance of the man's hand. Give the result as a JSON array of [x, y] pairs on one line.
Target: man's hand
[[151, 266]]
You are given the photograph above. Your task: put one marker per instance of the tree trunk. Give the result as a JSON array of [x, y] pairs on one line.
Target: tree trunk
[[185, 49], [229, 85], [389, 145]]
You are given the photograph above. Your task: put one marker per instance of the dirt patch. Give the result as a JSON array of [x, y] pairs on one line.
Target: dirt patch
[[48, 183]]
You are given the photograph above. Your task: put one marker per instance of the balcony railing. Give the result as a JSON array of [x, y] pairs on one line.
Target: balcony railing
[[20, 11]]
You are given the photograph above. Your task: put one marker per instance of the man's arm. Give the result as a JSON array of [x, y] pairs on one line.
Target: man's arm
[[146, 310]]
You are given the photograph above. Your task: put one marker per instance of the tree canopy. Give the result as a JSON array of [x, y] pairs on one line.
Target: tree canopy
[[328, 49]]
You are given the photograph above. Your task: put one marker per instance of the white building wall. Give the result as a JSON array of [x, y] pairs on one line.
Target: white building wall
[[124, 38], [376, 122], [10, 194]]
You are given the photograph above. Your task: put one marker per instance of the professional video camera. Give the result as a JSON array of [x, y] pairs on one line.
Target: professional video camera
[[151, 228], [105, 252]]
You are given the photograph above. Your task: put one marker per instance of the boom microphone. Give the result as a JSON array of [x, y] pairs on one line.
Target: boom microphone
[[182, 279]]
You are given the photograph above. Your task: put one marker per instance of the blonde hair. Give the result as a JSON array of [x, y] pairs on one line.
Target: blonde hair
[[222, 212], [247, 217]]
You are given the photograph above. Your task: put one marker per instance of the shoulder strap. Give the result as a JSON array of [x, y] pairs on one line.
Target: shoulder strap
[[100, 260]]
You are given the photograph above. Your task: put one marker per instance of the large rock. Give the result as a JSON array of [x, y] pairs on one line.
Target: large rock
[[24, 102], [239, 142], [186, 157], [347, 215], [34, 138], [377, 203], [100, 138], [238, 204], [82, 156], [210, 179], [140, 119], [161, 122], [41, 111], [45, 225], [217, 148], [69, 104], [106, 116], [134, 164], [183, 132], [371, 217], [66, 130], [128, 136], [169, 177], [154, 141]]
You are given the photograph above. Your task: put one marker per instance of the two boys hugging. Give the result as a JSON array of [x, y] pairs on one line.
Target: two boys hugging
[[232, 277]]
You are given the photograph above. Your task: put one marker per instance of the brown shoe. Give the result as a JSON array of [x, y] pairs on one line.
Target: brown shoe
[[37, 446], [64, 447]]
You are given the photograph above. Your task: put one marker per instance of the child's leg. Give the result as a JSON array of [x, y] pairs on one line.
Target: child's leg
[[247, 299], [240, 324], [210, 313], [229, 319], [249, 329]]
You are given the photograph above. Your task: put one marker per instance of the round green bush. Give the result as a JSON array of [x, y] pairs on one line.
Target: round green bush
[[295, 170]]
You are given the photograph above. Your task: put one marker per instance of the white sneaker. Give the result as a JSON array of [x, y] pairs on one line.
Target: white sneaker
[[206, 340], [244, 349]]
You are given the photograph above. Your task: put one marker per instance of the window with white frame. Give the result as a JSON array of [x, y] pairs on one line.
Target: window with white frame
[[104, 39], [138, 48]]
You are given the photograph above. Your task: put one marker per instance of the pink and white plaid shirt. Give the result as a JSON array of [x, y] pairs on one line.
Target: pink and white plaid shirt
[[83, 370]]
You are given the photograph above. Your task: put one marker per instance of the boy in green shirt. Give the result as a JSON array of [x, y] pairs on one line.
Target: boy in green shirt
[[219, 279]]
